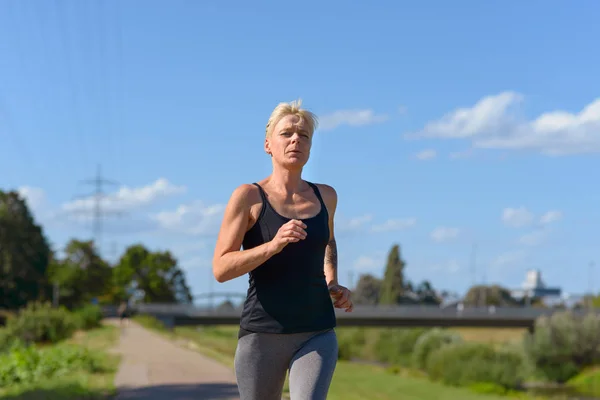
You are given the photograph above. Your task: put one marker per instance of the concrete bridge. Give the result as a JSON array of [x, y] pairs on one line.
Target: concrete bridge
[[381, 316]]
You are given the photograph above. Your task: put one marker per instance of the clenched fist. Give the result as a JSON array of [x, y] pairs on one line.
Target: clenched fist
[[290, 232], [341, 296]]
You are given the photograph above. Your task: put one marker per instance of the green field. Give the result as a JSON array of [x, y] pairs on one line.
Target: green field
[[352, 380], [76, 385], [358, 381]]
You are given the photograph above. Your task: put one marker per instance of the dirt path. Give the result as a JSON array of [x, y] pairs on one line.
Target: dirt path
[[154, 368]]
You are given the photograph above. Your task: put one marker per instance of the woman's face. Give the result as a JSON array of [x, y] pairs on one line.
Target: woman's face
[[290, 142]]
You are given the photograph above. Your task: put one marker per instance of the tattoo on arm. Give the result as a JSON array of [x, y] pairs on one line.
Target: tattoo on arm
[[331, 256]]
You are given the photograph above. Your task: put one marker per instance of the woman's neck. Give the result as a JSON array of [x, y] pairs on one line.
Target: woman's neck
[[286, 181]]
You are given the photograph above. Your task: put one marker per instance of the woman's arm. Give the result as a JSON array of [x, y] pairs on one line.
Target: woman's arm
[[331, 255], [229, 261], [341, 294]]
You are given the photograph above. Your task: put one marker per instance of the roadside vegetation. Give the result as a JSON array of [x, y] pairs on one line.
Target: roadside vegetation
[[55, 354]]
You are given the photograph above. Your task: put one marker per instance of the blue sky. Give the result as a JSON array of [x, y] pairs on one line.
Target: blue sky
[[443, 125]]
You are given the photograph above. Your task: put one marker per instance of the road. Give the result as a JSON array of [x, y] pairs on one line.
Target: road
[[154, 368]]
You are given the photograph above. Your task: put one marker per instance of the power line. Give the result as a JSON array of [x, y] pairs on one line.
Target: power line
[[98, 195]]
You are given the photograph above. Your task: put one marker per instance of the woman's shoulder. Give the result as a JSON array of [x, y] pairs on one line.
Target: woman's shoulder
[[247, 194], [325, 189], [328, 193]]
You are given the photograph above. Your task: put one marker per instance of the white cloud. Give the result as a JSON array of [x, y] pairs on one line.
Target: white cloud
[[362, 222], [365, 263], [517, 217], [428, 154], [354, 223], [193, 219], [494, 122], [550, 217], [127, 198], [534, 238], [394, 225], [522, 217], [444, 234], [34, 197], [350, 118]]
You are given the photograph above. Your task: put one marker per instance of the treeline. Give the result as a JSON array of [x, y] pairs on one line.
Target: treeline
[[32, 271], [394, 288], [496, 295]]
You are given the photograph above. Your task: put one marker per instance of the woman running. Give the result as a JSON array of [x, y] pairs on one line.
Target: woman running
[[284, 226]]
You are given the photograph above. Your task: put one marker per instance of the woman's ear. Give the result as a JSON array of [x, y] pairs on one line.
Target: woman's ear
[[268, 148]]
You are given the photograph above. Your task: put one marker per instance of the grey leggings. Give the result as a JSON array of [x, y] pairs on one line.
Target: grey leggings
[[263, 359]]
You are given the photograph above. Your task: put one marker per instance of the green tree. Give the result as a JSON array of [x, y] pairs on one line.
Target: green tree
[[367, 290], [82, 275], [155, 274], [392, 286], [427, 294], [24, 254], [480, 295]]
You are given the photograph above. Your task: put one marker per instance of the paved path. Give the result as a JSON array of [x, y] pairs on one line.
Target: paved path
[[154, 368]]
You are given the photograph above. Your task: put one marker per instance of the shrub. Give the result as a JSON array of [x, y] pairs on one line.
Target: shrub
[[464, 363], [40, 323], [88, 317], [351, 342], [429, 342], [563, 344], [30, 364], [395, 346], [510, 367], [5, 340]]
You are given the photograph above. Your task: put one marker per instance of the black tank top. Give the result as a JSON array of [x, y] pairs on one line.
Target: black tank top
[[288, 292]]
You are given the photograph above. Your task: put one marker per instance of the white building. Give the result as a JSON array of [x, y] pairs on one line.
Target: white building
[[534, 287]]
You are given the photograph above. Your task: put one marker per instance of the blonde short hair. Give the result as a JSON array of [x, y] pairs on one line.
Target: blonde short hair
[[293, 108]]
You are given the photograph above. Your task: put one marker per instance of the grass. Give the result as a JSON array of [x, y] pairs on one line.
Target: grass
[[352, 380], [359, 381], [76, 385], [588, 382], [218, 343]]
